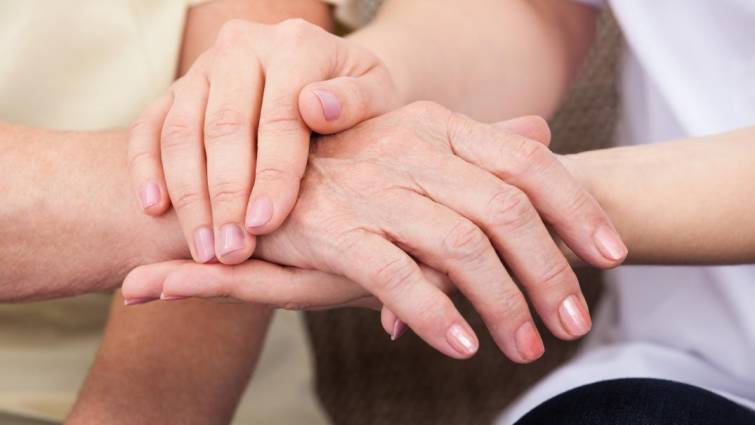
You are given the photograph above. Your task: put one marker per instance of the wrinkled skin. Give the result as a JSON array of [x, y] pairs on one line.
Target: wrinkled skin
[[467, 199]]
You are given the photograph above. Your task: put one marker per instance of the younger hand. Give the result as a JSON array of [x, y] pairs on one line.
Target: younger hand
[[242, 116]]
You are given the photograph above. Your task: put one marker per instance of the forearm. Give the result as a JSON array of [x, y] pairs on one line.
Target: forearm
[[159, 364], [490, 59], [682, 202], [68, 221]]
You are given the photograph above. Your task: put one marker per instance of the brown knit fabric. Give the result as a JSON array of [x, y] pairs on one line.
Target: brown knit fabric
[[363, 378]]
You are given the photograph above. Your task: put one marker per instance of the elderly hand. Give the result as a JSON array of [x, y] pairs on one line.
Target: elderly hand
[[425, 185], [260, 87]]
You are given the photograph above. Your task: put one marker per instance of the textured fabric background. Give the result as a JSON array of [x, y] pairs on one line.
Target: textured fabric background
[[363, 379]]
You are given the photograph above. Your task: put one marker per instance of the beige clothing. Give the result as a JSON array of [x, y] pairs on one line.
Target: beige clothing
[[91, 65]]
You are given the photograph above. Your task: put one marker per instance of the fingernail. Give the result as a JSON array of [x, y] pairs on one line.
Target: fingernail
[[260, 212], [164, 297], [204, 243], [609, 244], [528, 342], [231, 239], [461, 340], [136, 301], [574, 316], [399, 328], [149, 195], [331, 106]]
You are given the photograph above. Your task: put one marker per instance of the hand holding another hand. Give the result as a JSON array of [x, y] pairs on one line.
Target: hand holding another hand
[[242, 117], [424, 185]]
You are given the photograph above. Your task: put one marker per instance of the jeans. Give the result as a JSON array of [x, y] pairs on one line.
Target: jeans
[[638, 401]]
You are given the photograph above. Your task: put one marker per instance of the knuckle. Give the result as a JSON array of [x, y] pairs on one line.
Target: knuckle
[[435, 312], [138, 157], [231, 34], [458, 126], [507, 304], [556, 275], [274, 174], [393, 275], [294, 31], [228, 192], [424, 108], [140, 128], [580, 204], [223, 123], [281, 115], [186, 199], [176, 134], [535, 156], [511, 209], [465, 241]]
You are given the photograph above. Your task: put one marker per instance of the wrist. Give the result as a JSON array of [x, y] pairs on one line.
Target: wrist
[[379, 40]]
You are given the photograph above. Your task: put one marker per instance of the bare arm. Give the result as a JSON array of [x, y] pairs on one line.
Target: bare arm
[[682, 202], [171, 372], [67, 206], [491, 59]]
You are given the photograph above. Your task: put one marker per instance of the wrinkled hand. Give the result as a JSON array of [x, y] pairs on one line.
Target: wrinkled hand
[[260, 88], [424, 184]]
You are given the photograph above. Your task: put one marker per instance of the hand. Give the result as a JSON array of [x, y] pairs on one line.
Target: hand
[[415, 181], [259, 87]]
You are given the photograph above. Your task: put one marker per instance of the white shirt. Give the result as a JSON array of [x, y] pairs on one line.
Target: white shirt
[[689, 70]]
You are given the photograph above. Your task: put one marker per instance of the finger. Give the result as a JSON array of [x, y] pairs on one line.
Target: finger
[[532, 127], [283, 145], [283, 134], [396, 280], [514, 227], [229, 139], [575, 215], [264, 283], [394, 326], [145, 283], [452, 244], [183, 160], [335, 105], [145, 168]]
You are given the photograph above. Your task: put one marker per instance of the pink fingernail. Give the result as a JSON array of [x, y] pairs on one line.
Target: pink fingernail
[[137, 301], [164, 297], [331, 106], [574, 316], [399, 328], [464, 343], [149, 195], [204, 243], [528, 342], [231, 239], [260, 212], [609, 244]]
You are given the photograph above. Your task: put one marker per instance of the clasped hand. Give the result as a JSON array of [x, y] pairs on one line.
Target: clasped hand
[[404, 208]]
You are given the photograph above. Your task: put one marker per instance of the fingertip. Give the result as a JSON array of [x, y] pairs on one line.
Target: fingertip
[[386, 320], [321, 109], [259, 214], [233, 244], [463, 340], [529, 343], [610, 245], [532, 127], [153, 199]]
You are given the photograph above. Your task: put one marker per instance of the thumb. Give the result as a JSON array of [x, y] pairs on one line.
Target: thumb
[[532, 127], [335, 105]]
